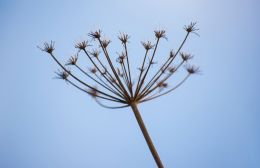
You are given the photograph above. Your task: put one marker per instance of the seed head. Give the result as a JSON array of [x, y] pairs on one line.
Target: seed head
[[191, 28], [147, 45], [95, 34], [105, 43], [93, 70], [160, 34], [61, 74], [172, 54], [73, 60], [120, 58], [162, 85], [172, 69], [95, 53], [93, 92], [185, 56], [191, 69], [48, 47], [124, 38], [82, 45], [119, 72]]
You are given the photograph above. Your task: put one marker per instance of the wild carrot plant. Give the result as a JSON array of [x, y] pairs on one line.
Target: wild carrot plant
[[109, 80]]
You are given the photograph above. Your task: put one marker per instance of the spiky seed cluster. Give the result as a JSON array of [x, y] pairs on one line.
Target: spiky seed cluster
[[93, 70], [162, 85], [93, 92], [147, 45], [120, 73], [48, 47], [185, 56], [160, 34], [191, 69], [95, 34], [116, 83], [124, 38], [73, 60], [172, 69], [95, 53], [120, 58], [191, 27], [105, 43], [82, 45], [172, 54], [62, 74]]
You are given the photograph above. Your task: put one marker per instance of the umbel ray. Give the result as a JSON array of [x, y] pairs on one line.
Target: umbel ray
[[109, 80]]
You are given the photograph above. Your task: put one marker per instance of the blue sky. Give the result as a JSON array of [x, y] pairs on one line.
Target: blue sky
[[211, 121]]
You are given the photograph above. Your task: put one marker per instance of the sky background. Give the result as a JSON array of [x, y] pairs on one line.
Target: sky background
[[211, 121]]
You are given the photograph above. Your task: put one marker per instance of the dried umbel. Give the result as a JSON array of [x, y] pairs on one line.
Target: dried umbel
[[110, 79]]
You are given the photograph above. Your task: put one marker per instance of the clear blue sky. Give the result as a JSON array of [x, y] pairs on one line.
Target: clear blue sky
[[212, 121]]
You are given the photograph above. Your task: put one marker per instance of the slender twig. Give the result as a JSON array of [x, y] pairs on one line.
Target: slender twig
[[103, 84], [153, 97], [147, 70], [113, 69], [129, 71]]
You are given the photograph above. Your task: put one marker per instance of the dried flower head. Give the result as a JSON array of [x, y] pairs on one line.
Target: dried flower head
[[172, 69], [172, 54], [162, 85], [95, 34], [160, 34], [93, 70], [61, 74], [119, 72], [121, 57], [48, 47], [95, 53], [93, 92], [82, 45], [105, 43], [191, 28], [185, 56], [73, 60], [191, 69], [124, 38], [147, 45]]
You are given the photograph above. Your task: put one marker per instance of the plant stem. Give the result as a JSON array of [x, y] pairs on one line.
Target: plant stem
[[146, 135]]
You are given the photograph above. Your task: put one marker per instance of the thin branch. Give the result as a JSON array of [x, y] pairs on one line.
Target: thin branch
[[149, 65], [167, 63], [109, 107], [108, 74], [85, 51], [140, 74], [148, 90], [80, 81], [105, 85], [129, 71], [113, 69], [178, 85], [114, 100]]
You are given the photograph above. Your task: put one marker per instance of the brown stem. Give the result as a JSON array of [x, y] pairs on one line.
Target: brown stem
[[146, 135]]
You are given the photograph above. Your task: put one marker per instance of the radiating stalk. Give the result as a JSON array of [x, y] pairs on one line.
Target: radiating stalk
[[146, 135]]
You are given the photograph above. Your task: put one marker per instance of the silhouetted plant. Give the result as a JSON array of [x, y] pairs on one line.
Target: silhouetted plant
[[116, 84]]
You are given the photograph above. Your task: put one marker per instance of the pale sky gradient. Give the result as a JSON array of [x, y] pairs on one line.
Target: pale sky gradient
[[212, 121]]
